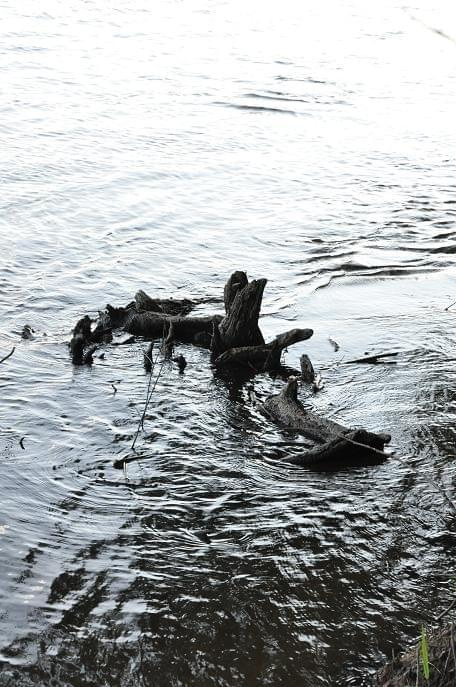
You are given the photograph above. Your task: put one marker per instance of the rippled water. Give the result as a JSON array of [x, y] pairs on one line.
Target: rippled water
[[160, 146]]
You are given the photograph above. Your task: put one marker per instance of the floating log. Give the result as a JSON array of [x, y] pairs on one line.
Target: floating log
[[152, 325], [335, 440]]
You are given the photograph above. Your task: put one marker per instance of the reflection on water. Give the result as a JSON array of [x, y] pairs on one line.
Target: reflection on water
[[161, 148]]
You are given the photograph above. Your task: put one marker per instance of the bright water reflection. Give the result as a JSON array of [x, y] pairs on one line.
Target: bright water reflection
[[161, 146]]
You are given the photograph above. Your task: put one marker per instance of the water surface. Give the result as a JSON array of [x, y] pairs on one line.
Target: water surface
[[161, 146]]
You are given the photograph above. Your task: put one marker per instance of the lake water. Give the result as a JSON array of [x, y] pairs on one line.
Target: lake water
[[161, 146]]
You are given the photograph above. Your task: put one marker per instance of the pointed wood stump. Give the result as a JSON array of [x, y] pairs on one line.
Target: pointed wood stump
[[240, 327]]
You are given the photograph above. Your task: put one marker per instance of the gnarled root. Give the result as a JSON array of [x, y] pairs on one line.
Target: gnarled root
[[266, 356], [335, 442]]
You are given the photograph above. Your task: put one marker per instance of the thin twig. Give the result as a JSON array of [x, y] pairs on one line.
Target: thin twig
[[372, 358], [149, 392], [141, 419], [450, 306], [447, 610], [9, 355]]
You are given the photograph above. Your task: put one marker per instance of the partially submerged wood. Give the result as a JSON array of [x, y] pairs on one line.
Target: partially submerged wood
[[335, 440], [152, 325], [307, 370], [240, 327], [266, 356], [234, 339], [168, 306], [373, 359]]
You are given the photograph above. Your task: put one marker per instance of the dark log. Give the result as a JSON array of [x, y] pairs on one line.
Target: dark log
[[352, 444], [240, 327], [336, 441], [151, 325], [168, 306], [266, 356]]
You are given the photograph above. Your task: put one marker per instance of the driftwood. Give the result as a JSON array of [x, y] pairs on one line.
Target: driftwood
[[237, 339], [374, 359], [335, 441], [234, 339], [266, 356], [151, 325], [168, 306]]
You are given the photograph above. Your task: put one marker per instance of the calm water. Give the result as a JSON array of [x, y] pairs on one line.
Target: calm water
[[160, 146]]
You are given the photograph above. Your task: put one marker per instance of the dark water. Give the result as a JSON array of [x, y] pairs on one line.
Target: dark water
[[160, 146]]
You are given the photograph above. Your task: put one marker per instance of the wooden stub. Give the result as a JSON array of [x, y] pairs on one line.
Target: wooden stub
[[243, 299]]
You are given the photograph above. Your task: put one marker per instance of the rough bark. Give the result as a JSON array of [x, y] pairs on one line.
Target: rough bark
[[266, 356], [151, 325], [307, 370], [243, 299], [144, 303], [336, 441]]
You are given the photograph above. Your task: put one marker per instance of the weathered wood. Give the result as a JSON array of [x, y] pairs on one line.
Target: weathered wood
[[148, 357], [373, 359], [81, 337], [169, 306], [336, 441], [266, 356], [151, 325], [168, 342], [243, 299], [307, 370], [235, 283], [352, 444]]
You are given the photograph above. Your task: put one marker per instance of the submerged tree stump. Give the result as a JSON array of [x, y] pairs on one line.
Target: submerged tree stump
[[240, 327], [335, 441], [235, 339], [266, 356]]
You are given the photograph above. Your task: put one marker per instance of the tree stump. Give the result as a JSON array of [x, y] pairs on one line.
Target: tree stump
[[240, 327]]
